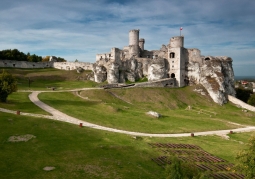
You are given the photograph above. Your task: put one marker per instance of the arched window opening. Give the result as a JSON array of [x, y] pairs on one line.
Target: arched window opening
[[207, 58], [172, 55], [172, 75]]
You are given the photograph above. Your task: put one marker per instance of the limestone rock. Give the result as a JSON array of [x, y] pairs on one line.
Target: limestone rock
[[113, 73], [48, 168], [100, 74], [216, 75], [157, 70], [154, 114]]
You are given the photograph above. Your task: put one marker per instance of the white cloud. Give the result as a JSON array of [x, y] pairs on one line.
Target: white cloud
[[79, 29]]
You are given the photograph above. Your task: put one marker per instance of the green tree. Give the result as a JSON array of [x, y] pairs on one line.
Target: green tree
[[246, 160], [251, 100], [8, 84], [243, 94]]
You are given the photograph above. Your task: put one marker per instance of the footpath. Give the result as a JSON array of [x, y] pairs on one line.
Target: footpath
[[60, 116]]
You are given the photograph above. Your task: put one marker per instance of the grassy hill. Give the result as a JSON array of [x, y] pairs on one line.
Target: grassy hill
[[44, 79], [88, 153], [101, 107]]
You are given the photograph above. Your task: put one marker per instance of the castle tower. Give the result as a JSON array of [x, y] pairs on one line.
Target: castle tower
[[176, 59], [141, 44], [177, 41], [134, 42]]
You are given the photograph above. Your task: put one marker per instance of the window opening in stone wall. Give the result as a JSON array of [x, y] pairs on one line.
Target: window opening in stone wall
[[172, 66], [172, 61], [13, 65], [172, 55], [172, 75], [207, 58]]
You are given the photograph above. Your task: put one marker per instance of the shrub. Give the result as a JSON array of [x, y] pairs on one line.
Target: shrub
[[8, 85]]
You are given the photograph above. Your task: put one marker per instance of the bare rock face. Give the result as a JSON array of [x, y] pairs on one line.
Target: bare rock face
[[157, 70], [216, 75], [100, 73], [193, 73], [113, 73]]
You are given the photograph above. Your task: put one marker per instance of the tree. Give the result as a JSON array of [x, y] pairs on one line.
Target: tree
[[243, 94], [46, 59], [251, 100], [8, 84], [246, 159]]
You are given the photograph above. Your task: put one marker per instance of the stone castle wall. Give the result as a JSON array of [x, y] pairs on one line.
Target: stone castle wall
[[58, 65]]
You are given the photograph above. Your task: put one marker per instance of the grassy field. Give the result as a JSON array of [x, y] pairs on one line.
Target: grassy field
[[44, 79], [88, 153], [20, 102], [102, 108]]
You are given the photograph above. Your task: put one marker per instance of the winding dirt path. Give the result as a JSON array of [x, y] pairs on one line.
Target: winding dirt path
[[60, 116]]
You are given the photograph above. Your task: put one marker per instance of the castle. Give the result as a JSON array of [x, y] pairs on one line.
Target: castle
[[174, 56], [180, 65]]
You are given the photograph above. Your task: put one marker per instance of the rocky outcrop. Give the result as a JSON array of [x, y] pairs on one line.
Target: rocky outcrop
[[113, 73], [157, 70], [100, 73], [216, 75]]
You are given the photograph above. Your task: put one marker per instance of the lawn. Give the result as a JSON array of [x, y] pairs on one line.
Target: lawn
[[102, 108], [45, 79], [20, 102], [88, 153]]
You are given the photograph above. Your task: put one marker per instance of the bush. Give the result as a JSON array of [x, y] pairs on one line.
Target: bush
[[246, 160], [8, 85], [243, 94], [251, 100]]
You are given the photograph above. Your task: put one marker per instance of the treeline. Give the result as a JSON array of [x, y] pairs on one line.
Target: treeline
[[15, 54]]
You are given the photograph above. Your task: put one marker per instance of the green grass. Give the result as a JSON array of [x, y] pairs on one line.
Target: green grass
[[44, 79], [20, 102], [89, 153], [104, 109], [75, 152]]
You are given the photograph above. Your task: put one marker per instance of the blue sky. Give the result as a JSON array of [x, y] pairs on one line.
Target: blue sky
[[79, 29]]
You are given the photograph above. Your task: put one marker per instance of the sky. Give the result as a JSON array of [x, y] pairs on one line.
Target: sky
[[80, 29]]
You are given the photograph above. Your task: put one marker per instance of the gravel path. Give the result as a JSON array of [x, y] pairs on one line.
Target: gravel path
[[57, 115]]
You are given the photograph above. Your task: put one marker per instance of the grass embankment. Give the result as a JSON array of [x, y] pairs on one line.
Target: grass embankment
[[89, 153], [45, 79], [104, 109]]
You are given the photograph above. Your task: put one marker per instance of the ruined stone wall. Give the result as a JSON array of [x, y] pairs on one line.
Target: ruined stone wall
[[58, 65], [24, 64], [194, 55], [72, 65]]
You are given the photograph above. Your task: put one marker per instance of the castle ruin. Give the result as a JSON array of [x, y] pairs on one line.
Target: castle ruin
[[172, 61]]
